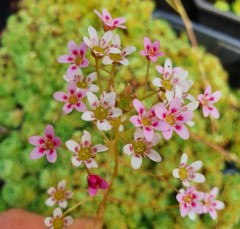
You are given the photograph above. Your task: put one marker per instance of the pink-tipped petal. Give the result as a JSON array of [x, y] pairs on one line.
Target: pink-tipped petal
[[48, 221], [99, 148], [138, 134], [161, 112], [36, 140], [72, 48], [167, 134], [72, 69], [127, 149], [65, 59], [175, 105], [135, 121], [86, 139], [147, 43], [103, 184], [92, 99], [183, 210], [72, 146], [182, 131], [75, 161], [68, 220], [91, 163], [92, 191], [184, 116], [60, 96], [84, 63], [148, 133], [140, 108], [49, 132], [80, 106], [51, 156], [215, 97], [214, 112], [67, 108], [37, 153], [184, 159]]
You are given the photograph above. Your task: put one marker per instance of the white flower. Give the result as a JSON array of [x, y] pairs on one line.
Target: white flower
[[187, 173], [85, 152], [140, 148], [58, 221], [59, 195], [103, 110], [98, 46]]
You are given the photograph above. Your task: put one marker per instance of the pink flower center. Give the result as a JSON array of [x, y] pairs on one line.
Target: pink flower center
[[183, 173], [139, 147], [145, 121], [187, 198], [58, 223], [49, 144], [78, 60], [59, 195], [84, 153], [151, 51], [82, 84], [167, 85], [72, 99], [170, 119], [100, 113]]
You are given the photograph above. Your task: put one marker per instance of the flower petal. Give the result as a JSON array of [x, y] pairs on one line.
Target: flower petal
[[199, 178], [219, 205], [72, 146], [80, 106], [50, 201], [62, 203], [136, 161], [75, 161], [103, 125], [72, 47], [99, 148], [167, 134], [60, 96], [67, 108], [154, 156], [37, 153], [175, 106], [57, 212], [48, 221], [68, 220], [148, 133], [182, 131], [110, 99], [184, 159], [157, 82], [196, 165], [49, 132], [140, 108], [138, 134], [175, 173], [62, 185], [72, 70], [88, 116], [214, 112], [107, 60], [135, 121], [51, 155], [92, 191], [65, 59], [115, 112], [127, 149], [92, 99], [36, 140], [91, 163], [86, 139], [184, 116]]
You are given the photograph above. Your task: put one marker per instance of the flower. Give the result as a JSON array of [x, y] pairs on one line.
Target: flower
[[174, 118], [140, 148], [76, 57], [147, 120], [207, 100], [58, 221], [103, 111], [72, 98], [211, 204], [189, 202], [98, 47], [172, 78], [151, 50], [95, 182], [85, 151], [59, 195], [45, 145], [187, 173], [82, 82], [109, 23], [116, 54]]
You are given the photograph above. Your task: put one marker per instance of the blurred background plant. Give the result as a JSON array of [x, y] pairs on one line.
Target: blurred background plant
[[30, 74]]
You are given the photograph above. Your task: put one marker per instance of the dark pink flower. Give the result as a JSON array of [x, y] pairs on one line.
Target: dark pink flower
[[72, 99], [110, 23], [151, 50], [207, 100], [45, 145], [94, 183], [76, 58]]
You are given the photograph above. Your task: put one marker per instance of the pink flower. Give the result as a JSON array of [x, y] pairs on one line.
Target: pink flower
[[187, 173], [95, 182], [140, 148], [207, 100], [174, 118], [45, 145], [85, 83], [116, 54], [109, 23], [211, 204], [59, 195], [58, 221], [189, 202], [147, 120], [103, 110], [76, 57], [151, 50], [98, 47], [85, 152], [72, 98]]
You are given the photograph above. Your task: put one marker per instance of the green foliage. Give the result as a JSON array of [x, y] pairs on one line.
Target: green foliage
[[30, 74]]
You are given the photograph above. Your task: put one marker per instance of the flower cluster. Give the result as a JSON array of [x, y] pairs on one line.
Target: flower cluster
[[108, 110]]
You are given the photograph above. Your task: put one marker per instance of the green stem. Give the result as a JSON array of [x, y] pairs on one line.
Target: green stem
[[112, 81], [147, 76], [98, 77], [153, 93]]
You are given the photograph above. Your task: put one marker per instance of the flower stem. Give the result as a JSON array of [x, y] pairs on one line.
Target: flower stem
[[112, 80], [153, 93], [87, 170], [147, 76], [98, 77]]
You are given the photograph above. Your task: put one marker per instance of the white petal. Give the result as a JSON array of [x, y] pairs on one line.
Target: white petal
[[191, 215], [192, 106], [138, 134], [68, 220], [156, 139], [75, 161], [168, 66], [87, 42], [127, 149], [99, 148], [175, 173], [184, 159], [115, 112], [110, 98], [154, 156], [178, 92], [72, 145], [92, 99], [88, 116], [86, 139], [136, 161], [114, 50], [199, 178], [50, 201], [157, 82], [51, 191], [107, 37], [219, 204], [107, 60], [91, 163], [48, 221], [62, 203], [93, 88], [196, 165], [57, 212], [128, 50], [124, 61], [62, 185], [169, 95], [93, 36], [190, 123], [116, 41], [103, 125]]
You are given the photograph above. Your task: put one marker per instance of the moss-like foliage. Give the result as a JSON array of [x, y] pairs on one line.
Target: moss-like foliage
[[30, 74]]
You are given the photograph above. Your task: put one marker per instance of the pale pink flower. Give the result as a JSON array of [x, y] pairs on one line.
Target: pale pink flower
[[147, 120], [45, 145], [94, 183], [116, 54], [207, 100], [211, 204], [172, 77], [174, 118], [189, 202], [76, 57], [72, 99], [187, 173], [151, 50], [103, 110], [84, 83], [99, 47], [58, 221], [140, 148], [59, 195], [85, 152], [110, 23]]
